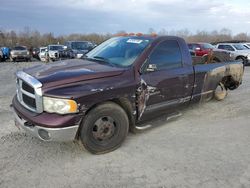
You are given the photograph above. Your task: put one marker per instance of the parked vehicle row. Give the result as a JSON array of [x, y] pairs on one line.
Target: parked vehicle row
[[222, 51], [52, 52], [206, 53]]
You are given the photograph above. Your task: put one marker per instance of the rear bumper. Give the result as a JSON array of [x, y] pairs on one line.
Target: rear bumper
[[47, 134]]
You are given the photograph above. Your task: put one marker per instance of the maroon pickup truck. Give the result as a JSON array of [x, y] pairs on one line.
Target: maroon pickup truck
[[116, 86]]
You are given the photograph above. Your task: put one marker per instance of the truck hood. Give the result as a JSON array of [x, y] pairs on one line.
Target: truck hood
[[70, 71]]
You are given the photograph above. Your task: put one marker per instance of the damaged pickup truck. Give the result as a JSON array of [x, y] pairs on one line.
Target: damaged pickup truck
[[116, 86]]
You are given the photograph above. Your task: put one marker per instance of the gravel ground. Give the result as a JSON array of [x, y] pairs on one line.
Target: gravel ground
[[207, 147]]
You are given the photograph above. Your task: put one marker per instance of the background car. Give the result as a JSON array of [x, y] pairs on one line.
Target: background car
[[247, 45], [35, 53], [208, 53], [5, 53], [76, 49], [55, 51], [19, 53], [200, 48], [42, 53], [240, 52]]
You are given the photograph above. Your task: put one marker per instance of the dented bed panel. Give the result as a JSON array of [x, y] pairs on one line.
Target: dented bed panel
[[208, 76]]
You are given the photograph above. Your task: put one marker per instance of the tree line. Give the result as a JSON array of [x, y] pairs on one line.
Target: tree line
[[34, 38]]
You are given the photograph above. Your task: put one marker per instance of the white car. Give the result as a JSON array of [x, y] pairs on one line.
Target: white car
[[42, 53], [247, 45], [55, 51]]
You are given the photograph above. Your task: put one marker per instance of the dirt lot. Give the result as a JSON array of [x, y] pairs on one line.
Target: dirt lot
[[208, 146]]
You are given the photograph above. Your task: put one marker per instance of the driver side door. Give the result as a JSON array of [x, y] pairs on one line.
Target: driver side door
[[167, 81]]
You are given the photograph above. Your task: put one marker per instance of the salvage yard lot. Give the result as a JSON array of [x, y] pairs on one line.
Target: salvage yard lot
[[208, 146]]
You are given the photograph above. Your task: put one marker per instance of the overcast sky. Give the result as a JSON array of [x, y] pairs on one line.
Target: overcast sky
[[102, 16]]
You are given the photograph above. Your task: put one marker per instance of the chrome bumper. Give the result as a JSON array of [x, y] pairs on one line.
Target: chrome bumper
[[47, 134], [19, 56], [78, 56]]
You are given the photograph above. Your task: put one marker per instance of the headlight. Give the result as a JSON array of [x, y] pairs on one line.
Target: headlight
[[60, 106]]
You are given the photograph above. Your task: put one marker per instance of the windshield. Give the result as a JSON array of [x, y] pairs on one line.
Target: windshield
[[240, 47], [119, 51], [247, 46], [19, 48], [79, 45], [55, 47], [43, 49], [207, 46]]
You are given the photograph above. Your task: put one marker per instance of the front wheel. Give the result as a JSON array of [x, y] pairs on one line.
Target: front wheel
[[243, 59], [220, 92], [104, 128]]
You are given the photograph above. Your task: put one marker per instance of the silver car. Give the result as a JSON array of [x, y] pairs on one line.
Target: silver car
[[20, 53], [238, 51]]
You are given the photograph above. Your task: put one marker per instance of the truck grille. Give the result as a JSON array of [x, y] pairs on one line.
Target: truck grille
[[29, 92]]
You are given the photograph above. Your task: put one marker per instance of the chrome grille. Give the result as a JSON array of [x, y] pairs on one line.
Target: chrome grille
[[29, 92]]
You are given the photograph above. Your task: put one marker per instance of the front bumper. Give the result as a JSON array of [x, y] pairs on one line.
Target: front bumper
[[20, 56], [46, 134], [78, 56], [57, 127]]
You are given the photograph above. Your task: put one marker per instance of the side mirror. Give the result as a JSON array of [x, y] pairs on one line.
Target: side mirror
[[65, 47], [46, 50], [151, 68]]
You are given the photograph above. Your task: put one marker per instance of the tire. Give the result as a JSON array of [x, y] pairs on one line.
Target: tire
[[104, 128], [11, 59], [220, 92], [215, 60], [244, 60]]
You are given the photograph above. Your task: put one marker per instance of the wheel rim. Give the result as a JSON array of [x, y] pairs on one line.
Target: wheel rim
[[220, 92], [104, 128]]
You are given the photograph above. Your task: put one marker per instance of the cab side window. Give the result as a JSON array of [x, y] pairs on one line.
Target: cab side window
[[226, 47], [167, 55]]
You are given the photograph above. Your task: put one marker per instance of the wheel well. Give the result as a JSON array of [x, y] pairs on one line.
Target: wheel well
[[216, 59], [230, 83], [240, 57], [125, 104]]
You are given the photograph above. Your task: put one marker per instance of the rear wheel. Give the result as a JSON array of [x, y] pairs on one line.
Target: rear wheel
[[220, 92], [104, 128]]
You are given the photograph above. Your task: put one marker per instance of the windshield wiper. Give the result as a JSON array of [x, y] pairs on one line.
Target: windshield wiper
[[99, 59], [103, 59]]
